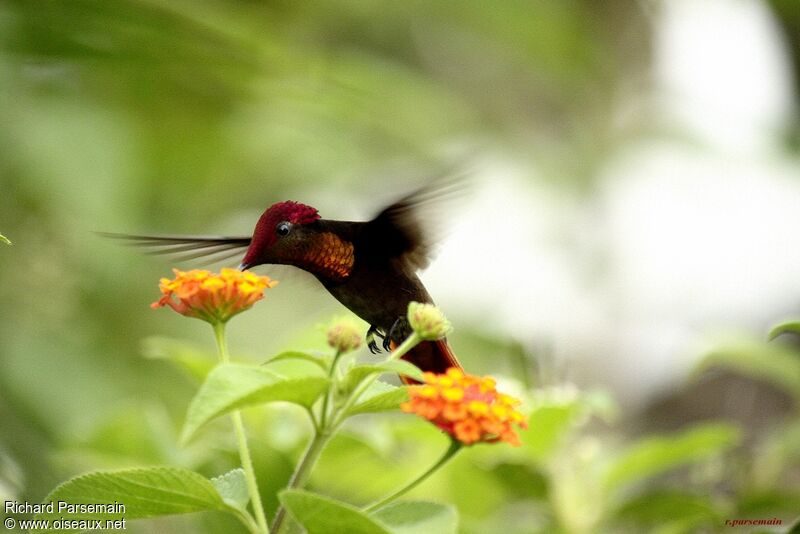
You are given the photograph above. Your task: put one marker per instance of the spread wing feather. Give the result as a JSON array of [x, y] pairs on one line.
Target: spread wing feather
[[410, 228]]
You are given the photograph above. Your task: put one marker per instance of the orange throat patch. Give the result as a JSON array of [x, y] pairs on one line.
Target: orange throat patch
[[329, 256]]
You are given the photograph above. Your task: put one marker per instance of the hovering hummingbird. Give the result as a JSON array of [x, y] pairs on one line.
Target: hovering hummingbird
[[370, 267]]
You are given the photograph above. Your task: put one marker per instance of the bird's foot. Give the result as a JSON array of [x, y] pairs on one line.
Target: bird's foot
[[370, 339], [398, 332]]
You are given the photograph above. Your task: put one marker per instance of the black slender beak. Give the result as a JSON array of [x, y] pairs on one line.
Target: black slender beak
[[243, 266]]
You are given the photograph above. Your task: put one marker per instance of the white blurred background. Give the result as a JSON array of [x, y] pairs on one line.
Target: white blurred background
[[689, 229]]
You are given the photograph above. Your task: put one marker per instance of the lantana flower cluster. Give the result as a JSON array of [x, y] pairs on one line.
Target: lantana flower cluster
[[427, 321], [344, 335], [214, 298], [467, 407]]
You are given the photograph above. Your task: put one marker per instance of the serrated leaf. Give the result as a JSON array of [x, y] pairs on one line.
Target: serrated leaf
[[768, 361], [321, 361], [656, 455], [792, 327], [323, 515], [232, 487], [193, 360], [232, 386], [380, 397], [144, 492], [418, 517], [357, 374]]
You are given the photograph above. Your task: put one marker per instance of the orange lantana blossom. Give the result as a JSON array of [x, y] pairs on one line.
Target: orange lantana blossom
[[214, 298], [467, 407]]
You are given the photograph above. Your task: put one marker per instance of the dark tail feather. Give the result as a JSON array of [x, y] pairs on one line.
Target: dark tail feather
[[433, 356], [183, 248]]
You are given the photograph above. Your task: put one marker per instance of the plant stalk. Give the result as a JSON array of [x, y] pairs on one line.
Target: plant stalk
[[451, 451], [410, 342], [326, 430], [241, 438], [302, 472], [248, 521], [323, 418]]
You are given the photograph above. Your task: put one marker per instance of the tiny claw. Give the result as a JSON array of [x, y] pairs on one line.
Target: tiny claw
[[388, 339], [373, 347], [370, 339]]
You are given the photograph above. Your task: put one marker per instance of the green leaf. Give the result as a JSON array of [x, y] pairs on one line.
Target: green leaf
[[656, 455], [768, 361], [232, 386], [547, 428], [522, 480], [322, 515], [792, 327], [418, 517], [661, 507], [556, 413], [322, 361], [144, 492], [357, 374], [380, 397], [193, 360], [768, 502], [232, 487], [4, 239]]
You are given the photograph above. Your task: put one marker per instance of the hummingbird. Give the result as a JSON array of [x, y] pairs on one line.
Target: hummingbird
[[370, 267]]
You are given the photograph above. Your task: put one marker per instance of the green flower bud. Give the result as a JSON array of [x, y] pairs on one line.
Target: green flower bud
[[344, 335], [428, 321]]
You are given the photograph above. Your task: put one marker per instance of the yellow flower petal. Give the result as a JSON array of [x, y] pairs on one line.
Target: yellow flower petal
[[453, 394], [212, 297], [467, 407]]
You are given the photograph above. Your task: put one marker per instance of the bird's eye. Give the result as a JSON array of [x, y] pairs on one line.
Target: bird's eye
[[283, 229]]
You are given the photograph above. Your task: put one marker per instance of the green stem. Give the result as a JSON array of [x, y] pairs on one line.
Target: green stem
[[241, 438], [248, 521], [451, 451], [313, 418], [312, 453], [323, 418], [410, 342], [222, 344], [302, 471], [321, 437]]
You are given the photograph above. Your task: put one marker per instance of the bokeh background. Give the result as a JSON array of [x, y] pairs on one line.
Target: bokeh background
[[628, 238]]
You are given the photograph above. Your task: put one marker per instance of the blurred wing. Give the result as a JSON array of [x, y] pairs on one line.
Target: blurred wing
[[181, 248], [410, 228]]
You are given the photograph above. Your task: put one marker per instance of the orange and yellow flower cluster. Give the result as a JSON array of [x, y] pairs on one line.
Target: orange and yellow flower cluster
[[214, 298], [467, 407]]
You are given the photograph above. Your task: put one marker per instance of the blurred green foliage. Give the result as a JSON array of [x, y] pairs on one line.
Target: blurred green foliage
[[182, 116], [570, 475]]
